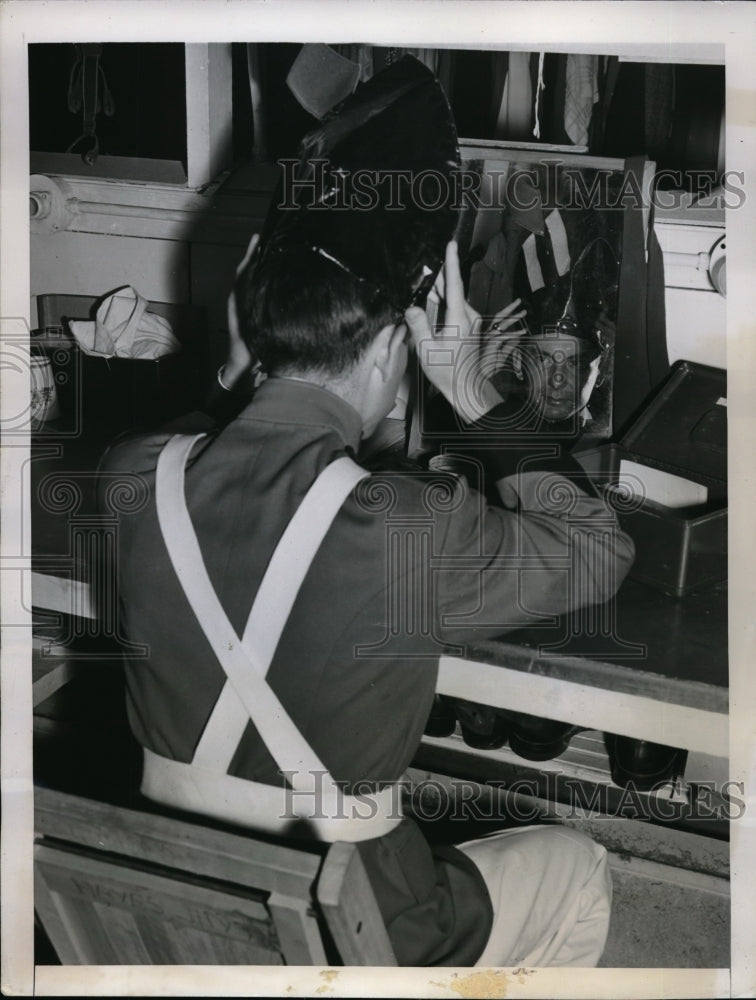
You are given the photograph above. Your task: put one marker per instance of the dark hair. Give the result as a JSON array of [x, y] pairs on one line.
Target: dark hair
[[300, 311]]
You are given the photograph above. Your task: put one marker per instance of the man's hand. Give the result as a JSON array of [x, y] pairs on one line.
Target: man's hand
[[500, 348], [457, 357]]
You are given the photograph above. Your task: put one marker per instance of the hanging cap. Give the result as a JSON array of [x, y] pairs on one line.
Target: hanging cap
[[374, 190], [572, 303]]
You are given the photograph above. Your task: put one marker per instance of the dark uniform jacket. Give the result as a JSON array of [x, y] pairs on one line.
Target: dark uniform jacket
[[411, 561]]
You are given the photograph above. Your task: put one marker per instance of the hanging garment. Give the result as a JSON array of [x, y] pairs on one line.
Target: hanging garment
[[525, 205], [490, 280], [551, 103], [204, 785], [607, 78], [515, 118], [581, 93], [539, 87], [641, 361], [658, 109], [546, 253], [88, 93], [499, 72]]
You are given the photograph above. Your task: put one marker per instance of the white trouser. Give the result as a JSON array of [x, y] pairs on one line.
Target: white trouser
[[551, 891]]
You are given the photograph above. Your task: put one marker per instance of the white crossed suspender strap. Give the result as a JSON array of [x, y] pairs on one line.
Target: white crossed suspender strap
[[246, 694]]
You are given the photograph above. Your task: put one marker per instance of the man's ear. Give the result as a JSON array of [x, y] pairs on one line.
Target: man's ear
[[387, 346]]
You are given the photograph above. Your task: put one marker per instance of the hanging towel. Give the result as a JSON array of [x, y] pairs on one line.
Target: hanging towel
[[581, 93]]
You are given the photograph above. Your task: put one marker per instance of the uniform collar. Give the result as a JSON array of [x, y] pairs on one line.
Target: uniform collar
[[295, 401]]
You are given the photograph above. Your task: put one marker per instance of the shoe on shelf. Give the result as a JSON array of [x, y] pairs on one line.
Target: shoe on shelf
[[535, 738], [482, 726], [643, 764], [442, 721]]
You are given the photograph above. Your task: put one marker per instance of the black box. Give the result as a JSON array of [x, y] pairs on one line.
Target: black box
[[683, 431], [105, 396]]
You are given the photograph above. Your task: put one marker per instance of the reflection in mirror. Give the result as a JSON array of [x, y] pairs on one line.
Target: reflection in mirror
[[549, 233]]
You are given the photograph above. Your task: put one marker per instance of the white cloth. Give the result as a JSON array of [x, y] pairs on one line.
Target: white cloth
[[124, 328], [581, 93], [551, 891]]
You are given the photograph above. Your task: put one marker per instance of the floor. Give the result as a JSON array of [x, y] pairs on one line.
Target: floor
[[657, 922]]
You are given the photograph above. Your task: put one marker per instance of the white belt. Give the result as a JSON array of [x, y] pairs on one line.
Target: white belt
[[204, 785], [268, 809]]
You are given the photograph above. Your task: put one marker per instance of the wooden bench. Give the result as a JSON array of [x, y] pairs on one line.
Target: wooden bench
[[117, 886]]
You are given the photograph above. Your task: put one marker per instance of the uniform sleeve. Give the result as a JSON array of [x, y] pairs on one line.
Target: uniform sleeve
[[558, 549], [138, 452]]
